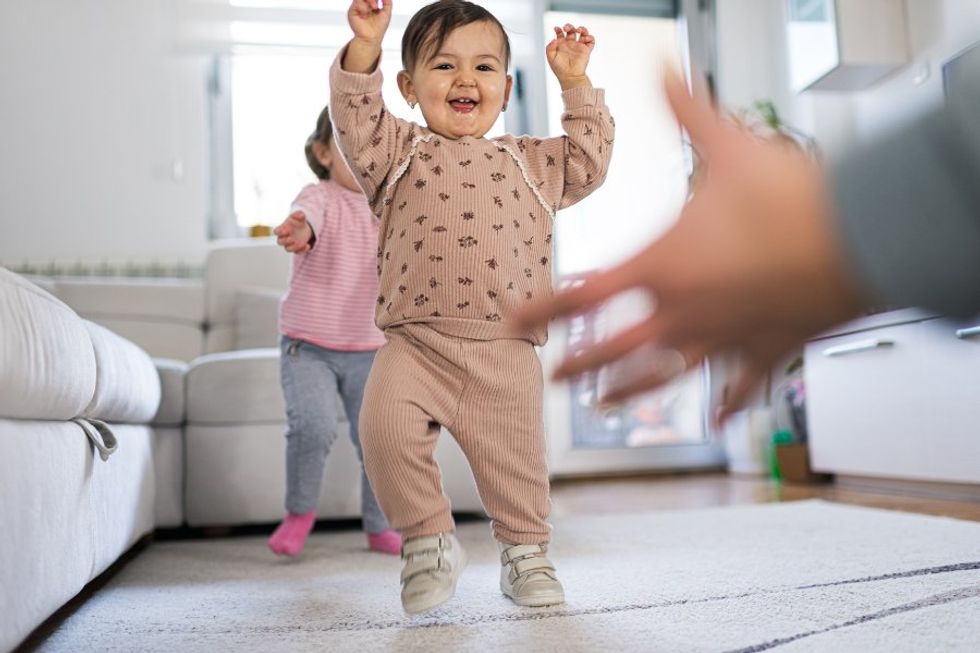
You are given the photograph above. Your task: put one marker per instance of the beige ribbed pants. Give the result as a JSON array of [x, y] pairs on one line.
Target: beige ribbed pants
[[488, 394]]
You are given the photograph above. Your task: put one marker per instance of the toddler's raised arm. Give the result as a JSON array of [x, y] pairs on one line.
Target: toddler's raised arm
[[574, 165], [372, 140]]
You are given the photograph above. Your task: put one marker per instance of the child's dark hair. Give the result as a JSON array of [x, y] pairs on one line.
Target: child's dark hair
[[432, 25], [322, 135]]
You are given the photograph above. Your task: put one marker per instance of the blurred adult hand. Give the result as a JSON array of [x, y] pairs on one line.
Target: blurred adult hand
[[752, 267]]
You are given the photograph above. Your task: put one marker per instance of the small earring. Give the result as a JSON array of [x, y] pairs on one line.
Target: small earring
[[411, 104], [505, 107]]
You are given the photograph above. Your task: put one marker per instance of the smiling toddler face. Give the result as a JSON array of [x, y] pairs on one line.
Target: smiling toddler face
[[462, 86]]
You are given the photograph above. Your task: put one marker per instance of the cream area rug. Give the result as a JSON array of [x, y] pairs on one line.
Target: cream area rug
[[807, 576]]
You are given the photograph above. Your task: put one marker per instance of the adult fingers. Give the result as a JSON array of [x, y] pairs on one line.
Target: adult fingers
[[695, 114], [576, 299], [608, 350], [661, 367]]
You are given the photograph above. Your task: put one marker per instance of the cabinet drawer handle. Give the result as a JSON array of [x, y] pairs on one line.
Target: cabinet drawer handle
[[855, 347], [963, 334]]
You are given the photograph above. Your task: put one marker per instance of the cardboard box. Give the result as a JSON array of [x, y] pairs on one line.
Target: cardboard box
[[794, 464]]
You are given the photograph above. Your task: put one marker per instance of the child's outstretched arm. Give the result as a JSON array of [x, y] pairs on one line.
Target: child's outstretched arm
[[371, 139], [574, 165], [295, 234]]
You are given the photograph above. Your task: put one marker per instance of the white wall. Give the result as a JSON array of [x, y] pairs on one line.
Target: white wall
[[752, 65], [97, 110], [938, 30], [98, 107]]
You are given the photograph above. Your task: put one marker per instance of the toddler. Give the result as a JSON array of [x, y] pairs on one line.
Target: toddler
[[328, 336], [466, 230]]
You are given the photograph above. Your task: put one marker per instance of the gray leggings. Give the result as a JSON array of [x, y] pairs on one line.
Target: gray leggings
[[311, 379]]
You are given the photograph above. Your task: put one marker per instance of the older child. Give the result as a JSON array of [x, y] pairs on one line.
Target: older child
[[466, 229], [328, 338]]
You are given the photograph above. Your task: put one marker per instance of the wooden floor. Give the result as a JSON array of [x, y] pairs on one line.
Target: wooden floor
[[639, 494]]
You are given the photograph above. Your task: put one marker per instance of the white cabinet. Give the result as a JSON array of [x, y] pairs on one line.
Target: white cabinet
[[896, 395], [844, 45]]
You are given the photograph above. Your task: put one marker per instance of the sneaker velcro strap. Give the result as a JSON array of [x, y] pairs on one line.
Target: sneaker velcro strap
[[418, 566], [519, 551], [419, 545], [531, 565]]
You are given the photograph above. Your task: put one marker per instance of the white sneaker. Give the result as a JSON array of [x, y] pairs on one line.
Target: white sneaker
[[527, 577], [432, 567]]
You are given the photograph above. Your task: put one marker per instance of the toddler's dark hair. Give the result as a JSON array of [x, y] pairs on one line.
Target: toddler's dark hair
[[322, 135], [432, 25]]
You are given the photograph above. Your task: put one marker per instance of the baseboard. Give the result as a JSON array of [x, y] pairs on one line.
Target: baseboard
[[967, 492]]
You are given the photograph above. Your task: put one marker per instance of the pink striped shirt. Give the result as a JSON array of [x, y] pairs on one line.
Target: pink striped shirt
[[333, 287]]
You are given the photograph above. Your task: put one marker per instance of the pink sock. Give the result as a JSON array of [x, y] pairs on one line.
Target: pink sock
[[387, 541], [289, 538]]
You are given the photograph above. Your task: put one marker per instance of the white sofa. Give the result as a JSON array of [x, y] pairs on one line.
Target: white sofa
[[77, 476], [200, 429], [225, 328]]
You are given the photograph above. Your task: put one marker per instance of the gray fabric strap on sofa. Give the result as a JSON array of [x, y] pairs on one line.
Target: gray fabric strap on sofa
[[101, 436]]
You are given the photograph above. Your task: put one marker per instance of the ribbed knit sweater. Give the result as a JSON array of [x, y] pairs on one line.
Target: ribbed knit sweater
[[466, 225]]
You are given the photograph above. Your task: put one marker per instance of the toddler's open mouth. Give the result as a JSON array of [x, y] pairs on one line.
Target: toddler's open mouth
[[463, 105]]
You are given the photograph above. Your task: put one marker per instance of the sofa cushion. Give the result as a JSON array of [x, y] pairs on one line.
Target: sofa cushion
[[231, 266], [46, 542], [173, 376], [236, 387], [127, 384], [257, 318], [65, 515], [163, 316], [47, 364]]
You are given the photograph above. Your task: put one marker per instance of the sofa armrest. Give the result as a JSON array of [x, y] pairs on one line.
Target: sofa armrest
[[173, 400]]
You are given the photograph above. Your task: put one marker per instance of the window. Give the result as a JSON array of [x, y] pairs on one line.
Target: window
[[643, 193], [271, 82], [275, 101]]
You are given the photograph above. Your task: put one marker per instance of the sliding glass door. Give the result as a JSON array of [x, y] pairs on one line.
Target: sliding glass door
[[645, 189]]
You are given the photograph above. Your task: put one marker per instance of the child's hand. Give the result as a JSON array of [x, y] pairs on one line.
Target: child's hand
[[568, 54], [295, 233], [367, 21]]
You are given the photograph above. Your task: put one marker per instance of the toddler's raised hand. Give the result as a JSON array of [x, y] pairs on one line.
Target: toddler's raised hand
[[568, 55], [367, 21], [295, 233]]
